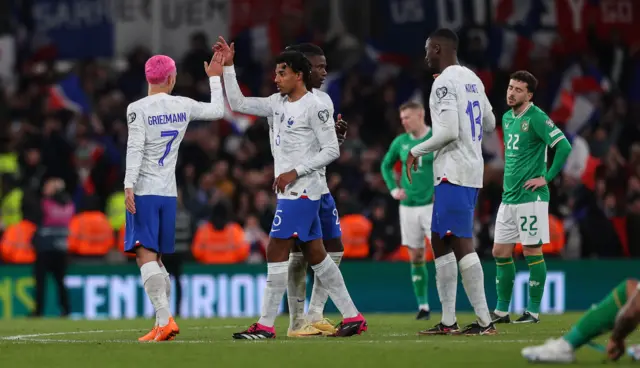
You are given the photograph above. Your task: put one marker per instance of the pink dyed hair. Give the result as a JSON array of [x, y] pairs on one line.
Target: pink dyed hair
[[158, 69]]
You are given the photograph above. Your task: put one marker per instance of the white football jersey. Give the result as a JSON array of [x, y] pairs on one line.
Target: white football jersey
[[459, 89], [302, 135], [157, 124], [324, 97]]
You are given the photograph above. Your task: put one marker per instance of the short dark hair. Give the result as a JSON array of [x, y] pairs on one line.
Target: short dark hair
[[447, 34], [308, 49], [297, 62], [526, 77]]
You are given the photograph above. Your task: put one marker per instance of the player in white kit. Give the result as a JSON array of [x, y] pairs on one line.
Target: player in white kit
[[299, 326], [460, 112], [156, 125], [303, 142]]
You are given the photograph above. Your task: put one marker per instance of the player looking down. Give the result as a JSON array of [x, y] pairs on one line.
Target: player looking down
[[156, 126], [460, 112], [303, 142], [299, 326], [523, 215]]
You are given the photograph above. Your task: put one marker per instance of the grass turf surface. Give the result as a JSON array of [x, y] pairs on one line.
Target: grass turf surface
[[390, 341]]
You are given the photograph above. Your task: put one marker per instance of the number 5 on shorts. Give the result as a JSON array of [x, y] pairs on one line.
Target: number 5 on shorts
[[277, 220], [167, 133]]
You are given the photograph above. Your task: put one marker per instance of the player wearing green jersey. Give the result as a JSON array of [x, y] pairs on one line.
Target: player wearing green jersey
[[619, 312], [523, 215], [416, 201]]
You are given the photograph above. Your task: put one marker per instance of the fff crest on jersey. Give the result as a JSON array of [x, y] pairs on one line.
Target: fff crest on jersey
[[524, 126], [290, 122]]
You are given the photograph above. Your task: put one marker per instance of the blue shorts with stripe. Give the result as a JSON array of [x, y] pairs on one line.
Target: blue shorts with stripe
[[153, 226], [453, 210], [329, 218], [297, 218]]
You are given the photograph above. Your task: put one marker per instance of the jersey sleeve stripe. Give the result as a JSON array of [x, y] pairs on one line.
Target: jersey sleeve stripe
[[556, 141], [554, 133]]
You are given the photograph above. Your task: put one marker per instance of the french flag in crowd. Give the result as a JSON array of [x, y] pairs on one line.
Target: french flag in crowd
[[239, 122], [68, 94], [512, 42], [512, 50], [573, 104], [520, 34]]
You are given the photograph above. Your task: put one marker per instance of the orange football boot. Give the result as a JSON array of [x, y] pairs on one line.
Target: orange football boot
[[168, 332], [150, 335]]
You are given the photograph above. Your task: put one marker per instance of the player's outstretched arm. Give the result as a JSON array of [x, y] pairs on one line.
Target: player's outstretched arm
[[258, 106], [626, 322], [135, 146], [237, 101], [215, 109], [445, 131], [323, 126]]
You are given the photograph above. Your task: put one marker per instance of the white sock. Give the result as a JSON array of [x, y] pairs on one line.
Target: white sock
[[320, 294], [447, 285], [296, 290], [155, 287], [331, 277], [277, 275], [473, 282], [167, 281]]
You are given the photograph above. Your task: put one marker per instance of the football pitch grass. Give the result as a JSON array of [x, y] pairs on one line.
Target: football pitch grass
[[391, 341]]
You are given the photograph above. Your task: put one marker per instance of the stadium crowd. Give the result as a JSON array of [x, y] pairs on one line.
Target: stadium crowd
[[225, 172]]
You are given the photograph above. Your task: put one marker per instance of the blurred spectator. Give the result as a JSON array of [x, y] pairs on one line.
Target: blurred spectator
[[385, 235], [52, 217], [11, 203], [597, 195], [220, 241]]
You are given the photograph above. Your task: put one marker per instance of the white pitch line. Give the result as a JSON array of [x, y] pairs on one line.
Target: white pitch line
[[27, 337], [38, 338]]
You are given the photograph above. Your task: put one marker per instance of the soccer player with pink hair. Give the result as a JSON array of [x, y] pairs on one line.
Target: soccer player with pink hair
[[157, 124]]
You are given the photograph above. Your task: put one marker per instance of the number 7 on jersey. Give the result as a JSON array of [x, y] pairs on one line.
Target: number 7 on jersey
[[167, 133]]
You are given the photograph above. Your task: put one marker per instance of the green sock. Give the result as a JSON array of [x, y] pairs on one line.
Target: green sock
[[537, 278], [599, 319], [420, 279], [505, 277]]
